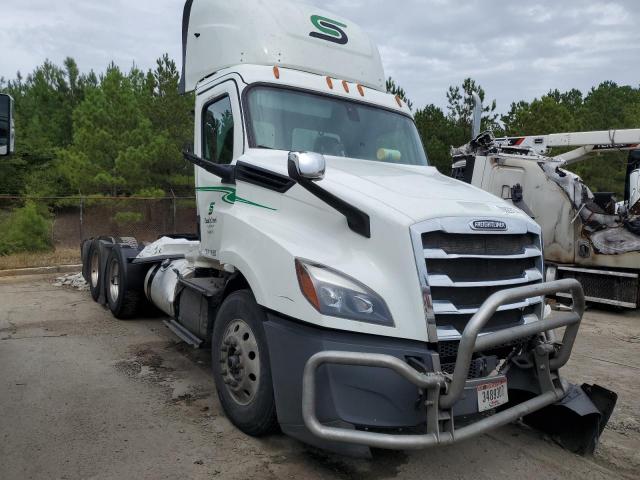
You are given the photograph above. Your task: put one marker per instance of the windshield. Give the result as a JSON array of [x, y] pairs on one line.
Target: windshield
[[282, 119]]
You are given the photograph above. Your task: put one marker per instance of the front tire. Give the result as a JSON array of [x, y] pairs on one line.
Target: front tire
[[241, 368]]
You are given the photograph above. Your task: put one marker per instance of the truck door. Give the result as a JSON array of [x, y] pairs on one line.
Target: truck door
[[221, 140]]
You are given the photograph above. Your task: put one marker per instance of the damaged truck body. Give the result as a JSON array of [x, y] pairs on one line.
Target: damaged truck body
[[351, 295], [588, 236]]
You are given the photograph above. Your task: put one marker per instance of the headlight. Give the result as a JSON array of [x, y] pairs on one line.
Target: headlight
[[337, 295]]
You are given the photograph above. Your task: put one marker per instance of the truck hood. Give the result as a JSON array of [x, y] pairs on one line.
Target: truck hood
[[417, 192]]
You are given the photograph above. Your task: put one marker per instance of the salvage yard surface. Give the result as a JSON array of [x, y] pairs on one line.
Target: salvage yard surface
[[83, 395]]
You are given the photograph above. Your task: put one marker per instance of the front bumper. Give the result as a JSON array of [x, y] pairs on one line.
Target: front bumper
[[347, 392], [442, 392]]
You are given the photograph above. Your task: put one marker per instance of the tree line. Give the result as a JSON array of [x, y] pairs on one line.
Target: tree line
[[117, 133], [121, 134], [607, 106]]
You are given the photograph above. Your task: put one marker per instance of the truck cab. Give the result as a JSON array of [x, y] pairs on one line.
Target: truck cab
[[350, 293]]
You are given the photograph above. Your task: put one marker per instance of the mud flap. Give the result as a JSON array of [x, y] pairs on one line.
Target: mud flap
[[577, 421]]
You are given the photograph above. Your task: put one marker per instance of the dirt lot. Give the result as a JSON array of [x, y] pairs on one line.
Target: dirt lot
[[85, 396]]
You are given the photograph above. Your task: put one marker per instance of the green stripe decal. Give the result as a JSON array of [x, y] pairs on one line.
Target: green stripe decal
[[230, 196]]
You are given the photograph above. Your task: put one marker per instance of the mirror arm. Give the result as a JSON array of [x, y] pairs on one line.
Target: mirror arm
[[358, 221], [227, 173]]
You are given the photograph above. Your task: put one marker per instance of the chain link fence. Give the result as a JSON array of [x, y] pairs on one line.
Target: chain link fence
[[69, 220]]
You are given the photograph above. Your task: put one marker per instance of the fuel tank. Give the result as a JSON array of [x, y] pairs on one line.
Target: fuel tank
[[161, 282]]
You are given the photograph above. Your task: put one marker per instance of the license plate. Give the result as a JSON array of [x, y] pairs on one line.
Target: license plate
[[492, 395]]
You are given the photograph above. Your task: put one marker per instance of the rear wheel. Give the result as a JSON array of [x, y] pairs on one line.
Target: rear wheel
[[241, 365], [123, 301], [95, 280]]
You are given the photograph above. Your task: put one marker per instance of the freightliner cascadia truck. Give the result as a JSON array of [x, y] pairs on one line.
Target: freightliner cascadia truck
[[351, 295]]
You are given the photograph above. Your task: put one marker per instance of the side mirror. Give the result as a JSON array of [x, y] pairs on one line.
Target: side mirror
[[7, 133], [307, 165]]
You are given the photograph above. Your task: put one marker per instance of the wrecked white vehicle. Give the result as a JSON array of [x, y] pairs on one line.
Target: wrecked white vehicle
[[588, 236]]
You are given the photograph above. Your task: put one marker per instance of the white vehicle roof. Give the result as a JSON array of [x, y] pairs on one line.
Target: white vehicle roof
[[223, 33]]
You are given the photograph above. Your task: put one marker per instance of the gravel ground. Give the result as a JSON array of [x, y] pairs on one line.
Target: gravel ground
[[83, 395]]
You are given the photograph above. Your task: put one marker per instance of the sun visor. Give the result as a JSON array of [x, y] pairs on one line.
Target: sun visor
[[218, 34]]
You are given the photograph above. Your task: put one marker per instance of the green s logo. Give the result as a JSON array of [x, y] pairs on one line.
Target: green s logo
[[212, 207], [329, 30]]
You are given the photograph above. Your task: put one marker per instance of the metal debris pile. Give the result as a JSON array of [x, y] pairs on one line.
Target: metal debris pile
[[72, 280]]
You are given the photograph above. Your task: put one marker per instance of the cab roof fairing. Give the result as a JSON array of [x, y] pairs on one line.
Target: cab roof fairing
[[218, 34]]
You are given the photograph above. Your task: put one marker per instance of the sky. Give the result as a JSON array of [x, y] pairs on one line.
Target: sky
[[517, 50]]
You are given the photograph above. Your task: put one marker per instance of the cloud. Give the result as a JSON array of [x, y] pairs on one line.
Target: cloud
[[537, 13], [608, 14], [93, 33], [515, 50]]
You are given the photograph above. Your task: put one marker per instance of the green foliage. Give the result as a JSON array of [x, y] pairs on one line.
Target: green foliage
[[539, 117], [439, 132], [124, 219], [151, 193], [116, 134], [605, 107], [25, 229], [461, 106]]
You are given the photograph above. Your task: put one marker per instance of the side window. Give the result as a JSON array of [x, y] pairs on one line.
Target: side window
[[217, 132]]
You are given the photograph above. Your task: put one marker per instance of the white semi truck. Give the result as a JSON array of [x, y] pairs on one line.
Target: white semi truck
[[587, 236], [351, 295], [7, 125]]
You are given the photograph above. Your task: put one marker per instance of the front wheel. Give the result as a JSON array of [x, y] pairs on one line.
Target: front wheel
[[241, 368]]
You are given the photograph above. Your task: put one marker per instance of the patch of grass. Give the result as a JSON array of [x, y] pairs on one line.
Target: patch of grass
[[62, 256]]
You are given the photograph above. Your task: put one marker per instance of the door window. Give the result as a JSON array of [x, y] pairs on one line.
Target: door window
[[217, 132]]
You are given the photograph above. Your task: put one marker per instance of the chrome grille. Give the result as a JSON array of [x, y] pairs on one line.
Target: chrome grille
[[462, 268]]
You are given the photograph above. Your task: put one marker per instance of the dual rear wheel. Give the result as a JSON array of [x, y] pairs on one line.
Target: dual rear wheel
[[123, 301]]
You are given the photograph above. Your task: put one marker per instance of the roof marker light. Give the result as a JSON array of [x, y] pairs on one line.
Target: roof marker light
[[276, 72], [399, 101], [345, 85], [361, 90], [330, 83]]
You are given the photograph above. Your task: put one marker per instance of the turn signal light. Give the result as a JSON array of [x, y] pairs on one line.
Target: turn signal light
[[306, 285]]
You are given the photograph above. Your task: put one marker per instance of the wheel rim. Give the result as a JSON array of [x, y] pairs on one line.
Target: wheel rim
[[95, 268], [240, 362], [114, 280]]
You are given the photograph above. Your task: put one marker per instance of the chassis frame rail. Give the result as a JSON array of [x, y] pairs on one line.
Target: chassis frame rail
[[552, 387]]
